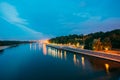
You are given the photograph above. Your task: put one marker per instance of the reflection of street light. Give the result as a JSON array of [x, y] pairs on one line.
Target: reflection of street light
[[44, 49], [107, 68], [74, 59], [83, 61], [61, 54], [34, 46], [65, 54], [30, 46]]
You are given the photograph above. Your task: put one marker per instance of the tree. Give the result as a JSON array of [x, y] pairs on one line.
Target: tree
[[97, 45], [92, 39], [107, 43]]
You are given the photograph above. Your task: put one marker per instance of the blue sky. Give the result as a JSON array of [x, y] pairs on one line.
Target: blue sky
[[38, 19]]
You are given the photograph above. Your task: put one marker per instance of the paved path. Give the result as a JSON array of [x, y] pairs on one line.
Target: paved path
[[103, 55]]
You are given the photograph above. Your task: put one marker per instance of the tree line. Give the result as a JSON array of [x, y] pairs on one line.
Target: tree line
[[97, 41], [7, 42]]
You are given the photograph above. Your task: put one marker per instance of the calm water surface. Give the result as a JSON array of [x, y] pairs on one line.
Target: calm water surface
[[38, 62]]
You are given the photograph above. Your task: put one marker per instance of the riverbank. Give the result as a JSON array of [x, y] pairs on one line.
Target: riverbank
[[4, 47], [7, 46], [104, 55]]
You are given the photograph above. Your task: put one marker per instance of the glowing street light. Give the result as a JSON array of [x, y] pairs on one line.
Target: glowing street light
[[106, 49]]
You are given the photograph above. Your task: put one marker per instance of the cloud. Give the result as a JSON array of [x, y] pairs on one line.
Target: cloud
[[94, 24], [82, 15], [86, 15], [9, 13]]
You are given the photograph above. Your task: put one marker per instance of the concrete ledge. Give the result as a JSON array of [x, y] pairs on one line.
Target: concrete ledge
[[89, 52]]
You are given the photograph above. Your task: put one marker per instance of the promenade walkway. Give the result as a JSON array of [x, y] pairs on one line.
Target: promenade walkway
[[113, 57]]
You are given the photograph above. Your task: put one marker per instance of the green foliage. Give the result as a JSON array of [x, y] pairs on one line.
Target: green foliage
[[104, 39], [97, 45], [107, 43], [4, 43]]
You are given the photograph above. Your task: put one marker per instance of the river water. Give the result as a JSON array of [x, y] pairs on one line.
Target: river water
[[38, 62]]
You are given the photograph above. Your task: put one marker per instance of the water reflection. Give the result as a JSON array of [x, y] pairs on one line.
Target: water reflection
[[69, 65], [74, 59], [1, 52], [44, 49], [62, 54], [30, 46], [83, 61], [35, 46], [65, 55], [107, 68], [39, 46], [56, 53]]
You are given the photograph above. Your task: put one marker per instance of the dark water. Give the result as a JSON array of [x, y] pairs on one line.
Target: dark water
[[38, 62]]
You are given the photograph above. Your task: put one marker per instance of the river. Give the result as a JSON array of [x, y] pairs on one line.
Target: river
[[39, 62]]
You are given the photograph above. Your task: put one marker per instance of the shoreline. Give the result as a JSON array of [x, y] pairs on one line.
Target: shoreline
[[4, 47], [103, 55]]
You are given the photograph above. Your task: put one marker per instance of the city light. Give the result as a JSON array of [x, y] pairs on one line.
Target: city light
[[106, 49]]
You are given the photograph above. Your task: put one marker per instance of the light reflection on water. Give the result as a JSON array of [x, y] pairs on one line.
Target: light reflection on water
[[107, 66], [44, 49], [33, 46], [56, 53], [78, 65], [65, 55], [79, 60], [75, 60], [83, 61], [62, 54]]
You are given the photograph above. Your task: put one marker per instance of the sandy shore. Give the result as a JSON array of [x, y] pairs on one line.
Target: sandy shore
[[4, 47]]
